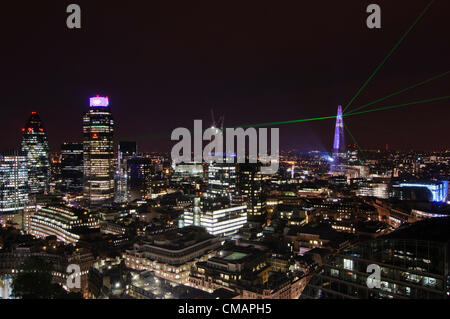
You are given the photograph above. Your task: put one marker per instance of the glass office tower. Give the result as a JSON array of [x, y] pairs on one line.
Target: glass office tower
[[13, 184], [98, 153], [35, 146]]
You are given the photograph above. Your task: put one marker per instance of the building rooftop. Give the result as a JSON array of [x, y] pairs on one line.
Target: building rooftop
[[432, 229], [237, 255], [180, 238]]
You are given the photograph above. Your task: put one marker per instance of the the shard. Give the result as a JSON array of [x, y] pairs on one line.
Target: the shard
[[339, 143]]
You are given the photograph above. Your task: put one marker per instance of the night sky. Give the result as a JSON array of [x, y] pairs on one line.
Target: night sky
[[165, 63]]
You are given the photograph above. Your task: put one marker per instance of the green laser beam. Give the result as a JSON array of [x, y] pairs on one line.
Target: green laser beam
[[286, 122], [397, 106], [354, 140], [344, 115], [389, 54], [401, 91], [386, 108], [331, 116]]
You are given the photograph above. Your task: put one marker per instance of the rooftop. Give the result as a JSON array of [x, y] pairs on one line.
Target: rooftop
[[432, 229], [180, 238]]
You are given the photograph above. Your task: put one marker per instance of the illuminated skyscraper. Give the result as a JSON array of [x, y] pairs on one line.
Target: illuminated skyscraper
[[98, 153], [339, 143], [221, 185], [249, 184], [218, 213], [125, 151], [35, 146], [13, 184]]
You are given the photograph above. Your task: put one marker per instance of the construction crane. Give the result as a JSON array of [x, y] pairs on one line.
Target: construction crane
[[217, 124]]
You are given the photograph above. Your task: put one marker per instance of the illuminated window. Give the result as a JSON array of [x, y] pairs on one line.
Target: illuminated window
[[348, 264]]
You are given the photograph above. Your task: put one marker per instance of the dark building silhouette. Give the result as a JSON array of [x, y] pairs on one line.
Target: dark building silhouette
[[72, 168], [414, 264]]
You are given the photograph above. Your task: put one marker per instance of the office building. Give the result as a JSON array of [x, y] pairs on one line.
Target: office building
[[413, 263], [371, 188], [246, 271], [60, 256], [433, 191], [35, 146], [140, 170], [126, 150], [225, 221], [98, 153], [68, 224], [221, 185], [13, 184], [187, 172], [72, 168], [172, 254], [217, 212], [249, 185]]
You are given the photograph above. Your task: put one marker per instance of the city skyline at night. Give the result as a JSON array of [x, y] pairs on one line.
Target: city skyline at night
[[290, 79], [214, 159]]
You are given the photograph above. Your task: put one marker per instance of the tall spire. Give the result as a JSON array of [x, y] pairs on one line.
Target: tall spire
[[339, 143]]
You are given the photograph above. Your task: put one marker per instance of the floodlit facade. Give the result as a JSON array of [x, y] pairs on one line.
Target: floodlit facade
[[98, 153], [224, 222], [438, 190], [62, 222]]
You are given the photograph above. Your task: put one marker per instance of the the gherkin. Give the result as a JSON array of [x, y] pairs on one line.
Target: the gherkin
[[35, 146]]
